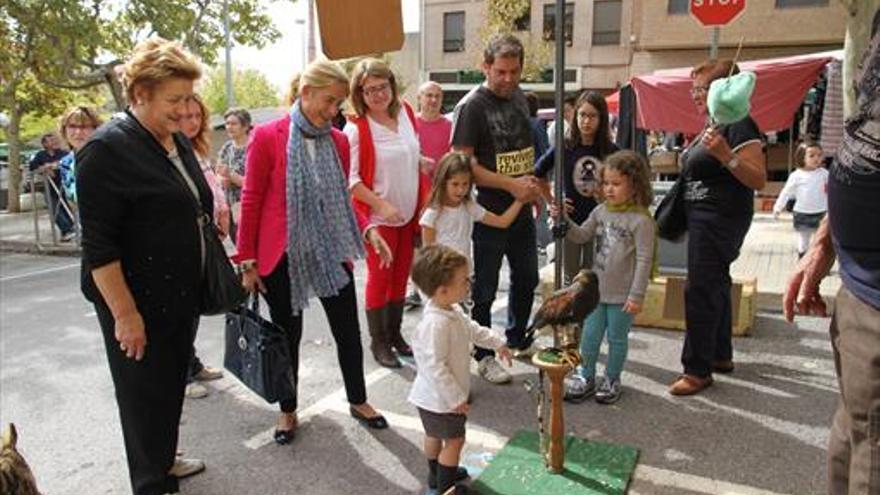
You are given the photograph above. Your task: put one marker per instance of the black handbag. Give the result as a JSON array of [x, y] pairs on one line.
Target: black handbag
[[257, 353], [670, 215], [221, 286]]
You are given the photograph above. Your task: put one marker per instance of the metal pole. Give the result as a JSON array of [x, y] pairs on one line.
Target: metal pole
[[559, 140], [713, 47], [230, 94]]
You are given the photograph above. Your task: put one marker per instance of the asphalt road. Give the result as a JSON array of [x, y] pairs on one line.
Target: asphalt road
[[761, 430]]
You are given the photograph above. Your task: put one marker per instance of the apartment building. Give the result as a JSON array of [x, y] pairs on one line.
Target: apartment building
[[608, 41]]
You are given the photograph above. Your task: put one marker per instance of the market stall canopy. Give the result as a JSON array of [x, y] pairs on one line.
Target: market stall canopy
[[613, 101], [664, 100], [354, 28]]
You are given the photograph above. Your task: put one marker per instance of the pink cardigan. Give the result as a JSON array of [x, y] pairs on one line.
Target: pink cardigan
[[262, 228]]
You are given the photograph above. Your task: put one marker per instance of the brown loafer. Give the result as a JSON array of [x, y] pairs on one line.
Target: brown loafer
[[689, 384], [723, 366]]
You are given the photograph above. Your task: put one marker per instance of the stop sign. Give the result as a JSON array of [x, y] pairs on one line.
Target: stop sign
[[716, 12]]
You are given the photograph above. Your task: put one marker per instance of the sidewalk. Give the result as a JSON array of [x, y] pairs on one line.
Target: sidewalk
[[769, 254], [17, 235]]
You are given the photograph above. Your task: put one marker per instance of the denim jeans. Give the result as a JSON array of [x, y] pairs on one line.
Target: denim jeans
[[491, 245], [57, 210], [617, 322]]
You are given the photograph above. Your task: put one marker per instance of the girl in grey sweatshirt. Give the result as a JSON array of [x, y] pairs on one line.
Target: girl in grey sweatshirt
[[623, 259]]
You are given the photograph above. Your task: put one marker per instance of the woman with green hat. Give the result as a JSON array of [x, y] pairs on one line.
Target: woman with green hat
[[723, 166]]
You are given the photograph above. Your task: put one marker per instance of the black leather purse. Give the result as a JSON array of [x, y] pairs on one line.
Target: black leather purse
[[670, 215], [257, 353], [221, 286]]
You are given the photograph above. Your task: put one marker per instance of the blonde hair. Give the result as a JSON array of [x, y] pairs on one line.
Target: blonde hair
[[372, 67], [632, 165], [153, 61], [292, 90], [434, 267], [202, 140], [80, 115], [452, 163]]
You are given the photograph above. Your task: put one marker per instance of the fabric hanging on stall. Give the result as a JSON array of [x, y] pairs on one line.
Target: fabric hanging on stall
[[832, 112], [629, 136]]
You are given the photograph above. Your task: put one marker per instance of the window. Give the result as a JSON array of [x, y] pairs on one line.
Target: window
[[675, 7], [524, 22], [784, 4], [550, 23], [453, 31], [606, 22]]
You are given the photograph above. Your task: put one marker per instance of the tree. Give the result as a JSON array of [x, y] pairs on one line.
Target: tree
[[250, 86], [501, 17], [78, 43]]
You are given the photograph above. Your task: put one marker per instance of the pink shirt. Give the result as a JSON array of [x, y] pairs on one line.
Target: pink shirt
[[434, 138]]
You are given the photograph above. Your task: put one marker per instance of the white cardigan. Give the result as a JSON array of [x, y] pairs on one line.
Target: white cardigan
[[441, 345]]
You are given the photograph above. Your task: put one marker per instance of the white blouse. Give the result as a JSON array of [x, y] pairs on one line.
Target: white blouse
[[396, 178]]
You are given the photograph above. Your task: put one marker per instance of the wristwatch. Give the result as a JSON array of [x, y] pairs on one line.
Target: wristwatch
[[247, 265], [732, 163]]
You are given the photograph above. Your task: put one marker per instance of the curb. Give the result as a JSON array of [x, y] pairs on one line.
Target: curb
[[24, 247]]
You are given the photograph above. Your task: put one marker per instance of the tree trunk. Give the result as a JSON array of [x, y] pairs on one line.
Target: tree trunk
[[12, 133], [115, 87]]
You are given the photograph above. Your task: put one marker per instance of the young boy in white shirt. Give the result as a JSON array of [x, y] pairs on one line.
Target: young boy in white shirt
[[441, 345]]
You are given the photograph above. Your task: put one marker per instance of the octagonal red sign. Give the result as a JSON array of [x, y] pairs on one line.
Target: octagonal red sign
[[716, 12]]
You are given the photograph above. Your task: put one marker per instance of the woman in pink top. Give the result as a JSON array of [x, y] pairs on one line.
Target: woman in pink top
[[384, 181]]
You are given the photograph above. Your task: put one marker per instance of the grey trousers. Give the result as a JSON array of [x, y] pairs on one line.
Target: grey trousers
[[577, 256], [854, 446]]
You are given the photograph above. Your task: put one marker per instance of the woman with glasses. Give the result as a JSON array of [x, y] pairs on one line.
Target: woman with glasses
[[723, 166], [385, 182], [77, 126]]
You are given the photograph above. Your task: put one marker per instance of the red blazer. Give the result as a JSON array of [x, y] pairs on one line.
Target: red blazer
[[262, 228]]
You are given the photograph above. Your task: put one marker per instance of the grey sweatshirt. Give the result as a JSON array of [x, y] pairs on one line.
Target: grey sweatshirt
[[624, 252]]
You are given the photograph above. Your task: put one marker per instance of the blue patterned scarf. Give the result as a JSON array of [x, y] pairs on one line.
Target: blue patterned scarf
[[322, 232]]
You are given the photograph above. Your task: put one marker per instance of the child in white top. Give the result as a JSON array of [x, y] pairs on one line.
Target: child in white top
[[808, 186], [442, 344], [451, 212]]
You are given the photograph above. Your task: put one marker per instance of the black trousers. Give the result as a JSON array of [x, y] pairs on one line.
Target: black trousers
[[714, 241], [341, 311], [149, 394]]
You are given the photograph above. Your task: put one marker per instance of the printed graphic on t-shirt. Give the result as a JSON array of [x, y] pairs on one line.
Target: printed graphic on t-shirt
[[517, 162], [583, 175], [610, 236]]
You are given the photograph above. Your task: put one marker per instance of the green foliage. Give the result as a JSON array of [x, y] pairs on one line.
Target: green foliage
[[250, 87], [501, 16]]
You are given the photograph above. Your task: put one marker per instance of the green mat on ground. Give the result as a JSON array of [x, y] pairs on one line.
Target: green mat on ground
[[590, 467]]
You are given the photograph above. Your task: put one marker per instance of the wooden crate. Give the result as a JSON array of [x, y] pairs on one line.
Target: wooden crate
[[664, 305]]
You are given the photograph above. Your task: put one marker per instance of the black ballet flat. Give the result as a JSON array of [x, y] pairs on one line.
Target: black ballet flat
[[284, 437], [376, 422]]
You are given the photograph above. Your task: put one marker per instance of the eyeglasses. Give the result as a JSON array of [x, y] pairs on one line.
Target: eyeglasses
[[376, 90], [699, 90], [78, 127]]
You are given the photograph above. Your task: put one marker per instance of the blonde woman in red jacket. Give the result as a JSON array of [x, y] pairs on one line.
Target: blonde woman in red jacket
[[385, 182], [299, 234]]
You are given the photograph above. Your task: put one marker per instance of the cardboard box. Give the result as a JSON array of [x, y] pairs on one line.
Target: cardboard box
[[664, 302]]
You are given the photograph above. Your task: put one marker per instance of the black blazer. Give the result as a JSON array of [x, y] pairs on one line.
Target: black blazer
[[134, 207]]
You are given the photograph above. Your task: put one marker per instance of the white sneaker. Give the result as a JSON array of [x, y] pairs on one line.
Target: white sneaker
[[195, 391], [208, 373], [491, 371], [184, 467]]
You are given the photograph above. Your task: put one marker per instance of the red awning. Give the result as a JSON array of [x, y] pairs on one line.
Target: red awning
[[664, 101], [613, 101]]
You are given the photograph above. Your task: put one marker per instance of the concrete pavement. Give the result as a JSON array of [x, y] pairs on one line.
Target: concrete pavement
[[761, 430]]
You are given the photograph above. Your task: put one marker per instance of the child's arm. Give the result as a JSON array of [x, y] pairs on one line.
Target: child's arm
[[487, 338], [645, 237], [427, 223], [787, 190], [432, 361], [584, 232], [429, 236], [505, 219]]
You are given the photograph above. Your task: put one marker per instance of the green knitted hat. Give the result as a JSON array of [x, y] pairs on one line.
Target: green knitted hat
[[729, 97]]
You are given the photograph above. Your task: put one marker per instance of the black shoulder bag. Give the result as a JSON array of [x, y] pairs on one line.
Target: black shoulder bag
[[670, 215]]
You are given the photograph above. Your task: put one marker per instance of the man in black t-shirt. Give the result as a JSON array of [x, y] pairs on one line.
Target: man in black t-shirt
[[492, 124], [45, 162]]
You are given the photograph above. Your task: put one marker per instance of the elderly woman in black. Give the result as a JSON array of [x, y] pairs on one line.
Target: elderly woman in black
[[723, 167], [143, 256]]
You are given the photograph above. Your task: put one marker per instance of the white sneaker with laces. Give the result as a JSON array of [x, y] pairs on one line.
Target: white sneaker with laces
[[491, 371], [184, 467], [195, 391]]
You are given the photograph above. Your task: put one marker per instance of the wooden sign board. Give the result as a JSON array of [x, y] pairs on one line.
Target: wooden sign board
[[352, 28]]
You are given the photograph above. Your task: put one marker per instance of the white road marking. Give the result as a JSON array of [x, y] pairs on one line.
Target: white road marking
[[39, 272]]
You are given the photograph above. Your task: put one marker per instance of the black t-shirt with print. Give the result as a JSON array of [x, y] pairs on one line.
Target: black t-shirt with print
[[499, 132], [709, 184], [854, 187], [580, 169]]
